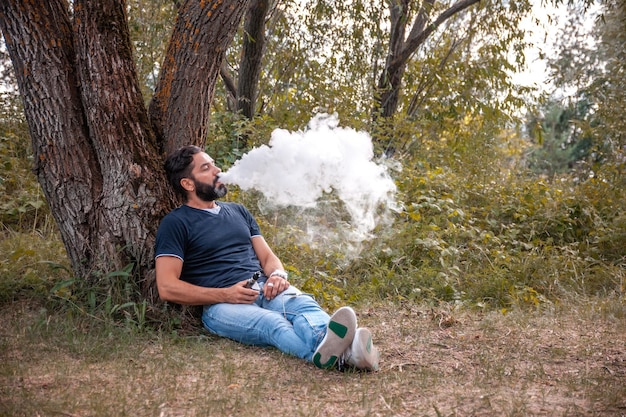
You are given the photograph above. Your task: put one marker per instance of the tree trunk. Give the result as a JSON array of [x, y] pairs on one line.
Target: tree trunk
[[251, 58], [400, 50], [179, 110], [96, 155], [130, 202]]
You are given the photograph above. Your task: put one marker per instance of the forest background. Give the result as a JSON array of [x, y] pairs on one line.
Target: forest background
[[512, 196]]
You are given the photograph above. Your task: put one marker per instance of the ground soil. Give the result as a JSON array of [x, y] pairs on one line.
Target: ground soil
[[434, 362]]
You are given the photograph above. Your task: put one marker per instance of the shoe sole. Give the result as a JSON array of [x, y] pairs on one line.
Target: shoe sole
[[364, 354], [339, 336]]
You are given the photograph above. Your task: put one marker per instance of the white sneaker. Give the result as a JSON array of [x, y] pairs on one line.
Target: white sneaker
[[338, 338], [362, 354]]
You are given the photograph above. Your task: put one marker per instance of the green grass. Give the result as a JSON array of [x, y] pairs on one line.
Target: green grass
[[31, 263]]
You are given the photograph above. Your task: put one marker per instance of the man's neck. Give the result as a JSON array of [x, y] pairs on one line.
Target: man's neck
[[200, 204]]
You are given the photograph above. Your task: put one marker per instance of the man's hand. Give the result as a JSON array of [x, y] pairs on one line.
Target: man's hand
[[239, 294], [274, 286]]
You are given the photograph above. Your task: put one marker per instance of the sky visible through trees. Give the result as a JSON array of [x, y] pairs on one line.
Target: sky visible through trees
[[543, 29]]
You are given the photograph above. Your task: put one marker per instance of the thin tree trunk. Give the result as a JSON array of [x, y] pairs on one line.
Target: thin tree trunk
[[252, 56], [401, 50]]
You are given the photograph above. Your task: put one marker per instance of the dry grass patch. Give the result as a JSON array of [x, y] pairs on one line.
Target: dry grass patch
[[561, 362]]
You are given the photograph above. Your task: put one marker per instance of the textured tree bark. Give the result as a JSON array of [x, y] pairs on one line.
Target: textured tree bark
[[97, 157], [179, 110], [39, 39], [131, 198]]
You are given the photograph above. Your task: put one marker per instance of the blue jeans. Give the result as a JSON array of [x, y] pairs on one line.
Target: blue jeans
[[292, 322]]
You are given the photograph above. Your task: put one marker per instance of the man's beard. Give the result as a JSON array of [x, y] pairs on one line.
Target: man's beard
[[209, 192]]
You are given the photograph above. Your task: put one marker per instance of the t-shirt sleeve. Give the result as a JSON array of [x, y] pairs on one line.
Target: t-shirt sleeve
[[255, 230], [170, 238]]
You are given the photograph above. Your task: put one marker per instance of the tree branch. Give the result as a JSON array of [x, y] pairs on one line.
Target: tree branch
[[421, 19], [418, 38], [229, 84]]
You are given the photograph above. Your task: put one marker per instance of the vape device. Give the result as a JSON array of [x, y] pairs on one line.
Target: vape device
[[253, 279]]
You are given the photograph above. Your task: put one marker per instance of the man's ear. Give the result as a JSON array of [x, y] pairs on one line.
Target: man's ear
[[187, 184]]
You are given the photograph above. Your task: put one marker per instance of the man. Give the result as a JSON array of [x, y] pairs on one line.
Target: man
[[205, 254]]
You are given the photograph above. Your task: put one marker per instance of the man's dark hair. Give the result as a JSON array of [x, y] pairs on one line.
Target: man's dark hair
[[178, 165]]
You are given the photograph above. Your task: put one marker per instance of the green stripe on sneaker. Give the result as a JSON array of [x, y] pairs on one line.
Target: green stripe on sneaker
[[331, 361], [338, 328]]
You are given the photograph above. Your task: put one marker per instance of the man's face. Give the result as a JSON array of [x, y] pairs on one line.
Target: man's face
[[205, 178]]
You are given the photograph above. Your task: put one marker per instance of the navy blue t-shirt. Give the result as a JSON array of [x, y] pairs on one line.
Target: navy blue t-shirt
[[216, 249]]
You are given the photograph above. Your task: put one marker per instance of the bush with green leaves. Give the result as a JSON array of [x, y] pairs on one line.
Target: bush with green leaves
[[519, 241]]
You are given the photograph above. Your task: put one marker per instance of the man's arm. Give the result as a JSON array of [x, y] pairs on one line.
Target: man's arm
[[172, 288], [270, 263]]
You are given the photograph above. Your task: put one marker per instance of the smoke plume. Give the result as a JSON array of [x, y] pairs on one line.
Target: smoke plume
[[327, 178]]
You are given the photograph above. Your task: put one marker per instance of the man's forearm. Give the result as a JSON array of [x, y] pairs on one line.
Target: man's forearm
[[189, 294]]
